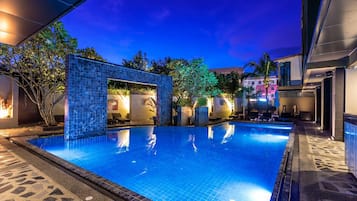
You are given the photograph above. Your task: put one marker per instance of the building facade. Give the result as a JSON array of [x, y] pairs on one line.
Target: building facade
[[294, 101], [330, 68], [258, 88]]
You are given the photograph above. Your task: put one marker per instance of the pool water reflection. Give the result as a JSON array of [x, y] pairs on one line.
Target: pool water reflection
[[229, 161]]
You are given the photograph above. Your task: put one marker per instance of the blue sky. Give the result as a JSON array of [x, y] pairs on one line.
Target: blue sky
[[225, 33]]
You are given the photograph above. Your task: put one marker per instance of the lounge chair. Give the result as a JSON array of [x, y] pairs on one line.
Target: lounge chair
[[253, 115], [110, 119], [117, 118], [266, 116]]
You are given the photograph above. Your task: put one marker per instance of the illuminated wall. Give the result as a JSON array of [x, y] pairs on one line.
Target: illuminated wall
[[142, 109], [304, 104], [351, 95], [222, 107], [8, 103], [119, 104]]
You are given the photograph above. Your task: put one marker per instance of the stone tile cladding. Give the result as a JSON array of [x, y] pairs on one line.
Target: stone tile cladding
[[86, 94]]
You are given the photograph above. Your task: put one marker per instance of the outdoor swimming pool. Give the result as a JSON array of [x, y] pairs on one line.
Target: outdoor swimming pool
[[229, 161]]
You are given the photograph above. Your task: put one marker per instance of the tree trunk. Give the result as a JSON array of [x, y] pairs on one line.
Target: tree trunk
[[46, 112], [266, 98]]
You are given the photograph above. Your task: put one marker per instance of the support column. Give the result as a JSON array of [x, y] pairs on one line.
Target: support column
[[322, 98], [338, 99]]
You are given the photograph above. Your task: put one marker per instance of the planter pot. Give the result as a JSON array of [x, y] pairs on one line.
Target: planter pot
[[183, 116], [201, 116]]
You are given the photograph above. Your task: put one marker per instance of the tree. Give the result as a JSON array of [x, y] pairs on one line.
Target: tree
[[91, 53], [193, 80], [166, 66], [264, 68], [230, 83], [161, 66], [38, 67], [139, 61]]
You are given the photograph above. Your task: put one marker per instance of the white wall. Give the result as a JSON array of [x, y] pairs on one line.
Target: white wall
[[295, 66], [351, 92], [304, 104], [140, 110], [221, 108]]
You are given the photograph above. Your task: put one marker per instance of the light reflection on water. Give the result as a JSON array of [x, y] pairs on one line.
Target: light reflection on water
[[229, 161]]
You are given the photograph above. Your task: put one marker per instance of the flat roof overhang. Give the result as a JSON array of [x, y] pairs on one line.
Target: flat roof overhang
[[20, 19], [334, 41]]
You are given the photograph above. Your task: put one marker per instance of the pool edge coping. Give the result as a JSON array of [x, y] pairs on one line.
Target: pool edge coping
[[283, 183], [97, 182]]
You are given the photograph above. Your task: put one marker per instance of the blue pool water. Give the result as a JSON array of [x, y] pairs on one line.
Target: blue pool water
[[229, 161]]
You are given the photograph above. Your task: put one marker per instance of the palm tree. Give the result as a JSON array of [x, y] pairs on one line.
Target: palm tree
[[264, 68]]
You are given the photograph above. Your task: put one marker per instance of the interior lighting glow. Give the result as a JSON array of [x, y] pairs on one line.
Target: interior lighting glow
[[126, 102], [270, 138], [252, 192], [3, 113], [4, 26], [3, 34]]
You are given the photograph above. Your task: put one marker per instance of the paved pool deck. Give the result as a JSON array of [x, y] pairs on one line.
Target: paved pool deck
[[319, 171]]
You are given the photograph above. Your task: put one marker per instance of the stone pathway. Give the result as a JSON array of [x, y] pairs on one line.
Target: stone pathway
[[20, 181], [324, 175]]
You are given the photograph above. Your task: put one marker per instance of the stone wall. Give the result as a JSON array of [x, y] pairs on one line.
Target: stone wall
[[86, 94]]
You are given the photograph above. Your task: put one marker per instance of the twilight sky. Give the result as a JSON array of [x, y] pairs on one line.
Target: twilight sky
[[225, 33]]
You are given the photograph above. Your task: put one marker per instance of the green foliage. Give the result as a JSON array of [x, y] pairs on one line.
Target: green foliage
[[201, 101], [230, 83], [264, 68], [184, 102], [165, 66], [139, 61], [90, 53], [38, 66], [123, 92], [193, 80], [143, 90], [133, 88], [113, 84]]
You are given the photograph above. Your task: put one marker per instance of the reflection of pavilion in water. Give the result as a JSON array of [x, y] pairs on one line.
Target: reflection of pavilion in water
[[229, 132], [123, 140]]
